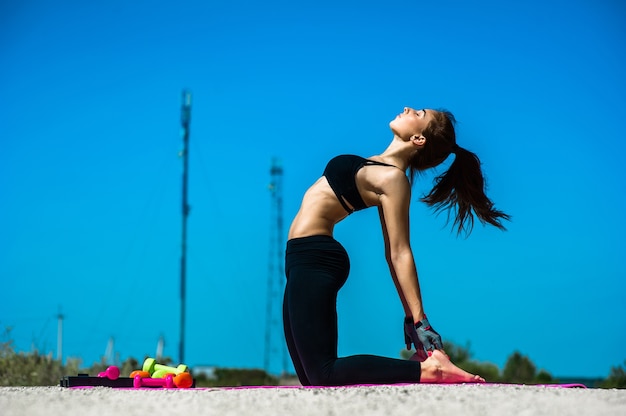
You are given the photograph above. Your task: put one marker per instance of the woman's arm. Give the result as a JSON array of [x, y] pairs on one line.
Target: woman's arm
[[392, 270], [394, 215]]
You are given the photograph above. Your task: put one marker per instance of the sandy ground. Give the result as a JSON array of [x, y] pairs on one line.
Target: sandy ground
[[375, 400]]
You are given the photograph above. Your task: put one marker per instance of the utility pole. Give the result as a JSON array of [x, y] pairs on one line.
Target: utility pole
[[60, 336], [185, 118], [159, 348], [109, 353]]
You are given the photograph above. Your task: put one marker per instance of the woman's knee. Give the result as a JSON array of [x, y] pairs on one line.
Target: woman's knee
[[319, 375]]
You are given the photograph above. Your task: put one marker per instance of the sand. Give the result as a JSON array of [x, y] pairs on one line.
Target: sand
[[374, 400]]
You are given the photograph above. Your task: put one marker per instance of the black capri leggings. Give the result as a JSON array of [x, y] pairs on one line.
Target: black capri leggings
[[316, 268]]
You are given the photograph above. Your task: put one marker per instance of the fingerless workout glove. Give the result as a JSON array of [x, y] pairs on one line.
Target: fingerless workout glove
[[423, 336]]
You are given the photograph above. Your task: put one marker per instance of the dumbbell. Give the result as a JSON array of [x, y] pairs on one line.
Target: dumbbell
[[143, 374], [150, 365], [183, 380], [167, 382], [162, 373], [112, 373]]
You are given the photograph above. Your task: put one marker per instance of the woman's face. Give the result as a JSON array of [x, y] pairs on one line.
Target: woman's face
[[410, 122]]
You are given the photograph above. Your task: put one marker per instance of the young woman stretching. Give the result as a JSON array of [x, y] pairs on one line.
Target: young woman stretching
[[317, 266]]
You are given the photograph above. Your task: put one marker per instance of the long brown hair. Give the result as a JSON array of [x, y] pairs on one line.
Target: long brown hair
[[462, 187]]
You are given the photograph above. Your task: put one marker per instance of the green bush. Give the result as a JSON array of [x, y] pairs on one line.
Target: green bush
[[518, 369], [232, 377], [616, 379], [32, 369]]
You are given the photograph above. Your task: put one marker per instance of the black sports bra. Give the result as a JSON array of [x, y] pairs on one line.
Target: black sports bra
[[341, 175]]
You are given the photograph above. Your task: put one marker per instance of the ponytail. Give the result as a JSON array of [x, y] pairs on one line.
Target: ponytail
[[462, 188]]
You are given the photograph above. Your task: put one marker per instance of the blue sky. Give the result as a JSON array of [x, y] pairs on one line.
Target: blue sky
[[90, 177]]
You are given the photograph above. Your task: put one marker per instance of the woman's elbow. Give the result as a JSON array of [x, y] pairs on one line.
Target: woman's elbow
[[397, 257]]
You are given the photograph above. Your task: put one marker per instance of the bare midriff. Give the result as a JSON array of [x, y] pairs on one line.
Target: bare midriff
[[319, 212]]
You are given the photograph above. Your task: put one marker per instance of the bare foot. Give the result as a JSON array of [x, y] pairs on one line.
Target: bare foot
[[439, 369]]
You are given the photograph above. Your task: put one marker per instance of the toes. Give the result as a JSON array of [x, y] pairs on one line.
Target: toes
[[479, 379]]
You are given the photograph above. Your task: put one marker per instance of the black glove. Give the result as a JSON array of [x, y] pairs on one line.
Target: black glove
[[423, 336]]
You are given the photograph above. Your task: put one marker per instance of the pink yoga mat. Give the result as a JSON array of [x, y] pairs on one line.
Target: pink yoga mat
[[565, 386]]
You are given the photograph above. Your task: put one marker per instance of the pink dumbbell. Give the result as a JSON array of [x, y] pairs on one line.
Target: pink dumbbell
[[112, 373], [167, 382]]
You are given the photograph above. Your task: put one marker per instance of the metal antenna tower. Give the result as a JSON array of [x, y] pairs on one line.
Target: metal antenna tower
[[274, 339], [185, 118]]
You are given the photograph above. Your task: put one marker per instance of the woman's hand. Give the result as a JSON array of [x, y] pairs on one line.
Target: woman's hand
[[423, 336]]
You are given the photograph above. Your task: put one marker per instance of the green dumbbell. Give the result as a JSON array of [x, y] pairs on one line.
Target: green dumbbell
[[150, 365], [162, 373]]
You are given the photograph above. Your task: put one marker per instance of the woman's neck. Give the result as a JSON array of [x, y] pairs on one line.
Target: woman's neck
[[399, 153]]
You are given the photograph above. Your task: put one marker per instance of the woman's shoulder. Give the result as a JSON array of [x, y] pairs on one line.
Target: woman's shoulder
[[387, 180], [394, 178]]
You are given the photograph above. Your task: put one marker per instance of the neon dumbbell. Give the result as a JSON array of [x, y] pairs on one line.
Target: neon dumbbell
[[143, 374], [112, 373], [167, 382], [162, 373], [183, 380], [150, 365]]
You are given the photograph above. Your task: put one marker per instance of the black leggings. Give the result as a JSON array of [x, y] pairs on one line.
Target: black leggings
[[316, 268]]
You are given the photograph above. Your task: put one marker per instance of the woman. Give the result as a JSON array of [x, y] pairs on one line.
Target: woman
[[317, 266]]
